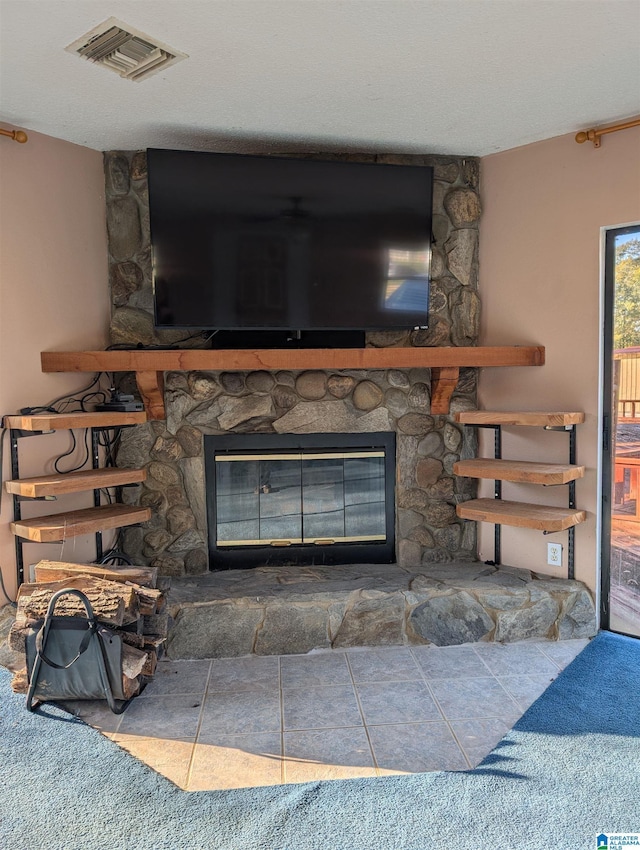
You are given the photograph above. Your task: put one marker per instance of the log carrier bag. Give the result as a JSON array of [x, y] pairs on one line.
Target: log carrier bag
[[73, 658]]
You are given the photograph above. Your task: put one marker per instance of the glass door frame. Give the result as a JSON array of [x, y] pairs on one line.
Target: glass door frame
[[607, 417]]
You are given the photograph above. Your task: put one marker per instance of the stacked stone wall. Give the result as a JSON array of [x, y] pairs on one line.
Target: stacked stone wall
[[200, 403]]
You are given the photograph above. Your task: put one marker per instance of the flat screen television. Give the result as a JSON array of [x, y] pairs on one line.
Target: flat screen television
[[276, 244]]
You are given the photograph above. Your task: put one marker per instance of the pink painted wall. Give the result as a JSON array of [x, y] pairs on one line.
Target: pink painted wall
[[54, 295], [540, 236]]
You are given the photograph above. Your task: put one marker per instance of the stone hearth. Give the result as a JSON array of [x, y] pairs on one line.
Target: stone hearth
[[287, 610]]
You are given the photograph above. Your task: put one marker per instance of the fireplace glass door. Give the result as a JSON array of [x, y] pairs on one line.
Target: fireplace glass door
[[300, 499], [282, 499]]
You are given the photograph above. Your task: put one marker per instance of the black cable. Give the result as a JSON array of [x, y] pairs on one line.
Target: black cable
[[70, 452], [123, 346], [5, 594]]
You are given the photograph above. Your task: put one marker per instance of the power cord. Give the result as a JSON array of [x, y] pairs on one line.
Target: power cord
[[5, 594]]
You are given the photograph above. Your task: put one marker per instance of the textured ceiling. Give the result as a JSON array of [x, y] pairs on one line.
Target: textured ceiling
[[422, 76]]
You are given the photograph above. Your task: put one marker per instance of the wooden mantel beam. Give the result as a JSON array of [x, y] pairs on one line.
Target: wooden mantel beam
[[150, 364]]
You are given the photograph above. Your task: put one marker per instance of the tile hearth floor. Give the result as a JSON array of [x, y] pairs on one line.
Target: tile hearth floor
[[267, 720]]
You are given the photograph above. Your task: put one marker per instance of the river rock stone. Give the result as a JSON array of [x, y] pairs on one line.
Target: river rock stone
[[438, 333], [340, 385], [154, 499], [202, 386], [387, 339], [196, 562], [232, 382], [428, 470], [190, 440], [396, 402], [191, 539], [135, 446], [398, 379], [293, 629], [451, 620], [374, 420], [166, 449], [163, 475], [452, 437], [443, 488], [409, 553], [431, 445], [578, 617], [415, 424], [367, 396], [260, 382], [524, 624], [236, 411], [178, 405], [447, 170], [439, 514], [286, 379], [406, 461], [117, 174], [139, 166], [412, 499], [373, 621], [204, 417], [156, 541], [419, 397], [462, 248], [440, 226], [305, 416], [284, 397], [180, 519], [130, 326], [407, 521], [465, 314], [168, 565], [463, 206], [192, 469], [448, 537], [125, 278], [422, 536], [221, 630], [124, 228], [311, 385]]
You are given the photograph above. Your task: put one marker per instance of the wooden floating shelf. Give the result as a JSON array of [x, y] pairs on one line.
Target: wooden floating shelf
[[149, 366], [62, 421], [554, 419], [53, 529], [74, 482], [520, 514], [523, 472]]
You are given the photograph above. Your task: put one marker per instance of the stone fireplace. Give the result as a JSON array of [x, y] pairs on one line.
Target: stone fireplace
[[394, 401]]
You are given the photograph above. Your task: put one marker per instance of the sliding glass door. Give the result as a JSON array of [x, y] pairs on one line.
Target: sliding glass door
[[621, 434]]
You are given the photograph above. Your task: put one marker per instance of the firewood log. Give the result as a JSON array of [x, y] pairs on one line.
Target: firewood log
[[56, 570], [130, 687], [113, 603], [20, 682], [133, 660]]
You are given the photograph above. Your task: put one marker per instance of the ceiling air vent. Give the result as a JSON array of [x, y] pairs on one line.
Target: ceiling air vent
[[125, 50]]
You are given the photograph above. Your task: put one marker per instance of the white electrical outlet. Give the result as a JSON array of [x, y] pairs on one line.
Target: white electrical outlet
[[554, 554]]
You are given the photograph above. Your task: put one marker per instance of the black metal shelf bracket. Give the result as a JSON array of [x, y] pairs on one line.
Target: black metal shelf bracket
[[16, 434], [497, 491]]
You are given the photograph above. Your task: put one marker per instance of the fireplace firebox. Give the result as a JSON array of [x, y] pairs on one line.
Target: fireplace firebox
[[300, 499]]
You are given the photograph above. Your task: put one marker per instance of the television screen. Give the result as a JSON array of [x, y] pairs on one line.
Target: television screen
[[270, 243]]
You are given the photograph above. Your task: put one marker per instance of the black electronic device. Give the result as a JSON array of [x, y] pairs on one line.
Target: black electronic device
[[121, 403], [288, 249]]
